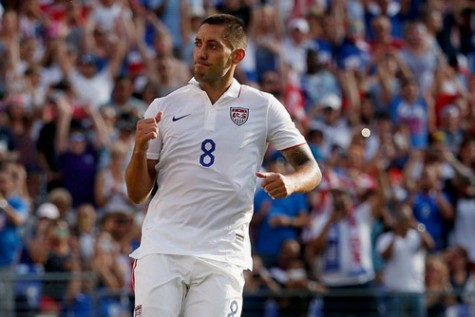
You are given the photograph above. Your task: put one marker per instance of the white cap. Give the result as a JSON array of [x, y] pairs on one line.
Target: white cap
[[48, 210], [300, 24], [331, 101]]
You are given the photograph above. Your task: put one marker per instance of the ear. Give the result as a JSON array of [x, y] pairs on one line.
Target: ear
[[238, 55]]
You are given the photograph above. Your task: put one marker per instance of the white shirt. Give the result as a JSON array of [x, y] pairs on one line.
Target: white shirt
[[343, 274], [464, 232], [206, 170], [404, 270], [108, 16], [96, 90]]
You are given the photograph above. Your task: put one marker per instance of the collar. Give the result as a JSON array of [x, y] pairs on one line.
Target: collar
[[233, 91]]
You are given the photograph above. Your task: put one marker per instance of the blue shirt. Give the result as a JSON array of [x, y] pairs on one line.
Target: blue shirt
[[269, 239], [414, 116], [427, 211], [79, 174], [10, 240]]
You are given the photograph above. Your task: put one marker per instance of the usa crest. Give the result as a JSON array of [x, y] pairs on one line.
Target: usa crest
[[239, 115]]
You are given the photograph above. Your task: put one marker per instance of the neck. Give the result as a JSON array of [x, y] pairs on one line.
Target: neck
[[215, 90]]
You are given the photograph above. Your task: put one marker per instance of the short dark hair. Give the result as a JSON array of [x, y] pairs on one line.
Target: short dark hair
[[234, 28]]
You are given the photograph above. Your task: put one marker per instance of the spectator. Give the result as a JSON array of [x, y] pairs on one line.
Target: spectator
[[163, 68], [403, 250], [336, 128], [91, 84], [8, 30], [110, 187], [256, 281], [36, 90], [57, 256], [189, 28], [171, 14], [332, 36], [451, 127], [79, 158], [317, 82], [295, 45], [62, 199], [420, 54], [291, 274], [447, 88], [439, 296], [86, 230], [106, 14], [384, 83], [45, 142], [110, 267], [464, 182], [46, 215], [13, 213], [21, 121], [341, 250], [273, 83], [123, 100], [353, 52], [411, 110], [124, 228], [388, 8], [458, 264], [430, 204], [383, 42], [265, 35]]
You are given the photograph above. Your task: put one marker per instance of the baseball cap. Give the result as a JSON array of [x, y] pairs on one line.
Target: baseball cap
[[299, 24], [48, 210], [332, 101]]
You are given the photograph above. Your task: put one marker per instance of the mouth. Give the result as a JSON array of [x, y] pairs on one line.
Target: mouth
[[201, 64]]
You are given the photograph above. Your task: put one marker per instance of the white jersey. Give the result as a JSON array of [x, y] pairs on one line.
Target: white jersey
[[208, 156]]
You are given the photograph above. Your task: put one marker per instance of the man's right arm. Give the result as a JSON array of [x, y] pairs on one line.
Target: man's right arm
[[140, 174], [140, 177]]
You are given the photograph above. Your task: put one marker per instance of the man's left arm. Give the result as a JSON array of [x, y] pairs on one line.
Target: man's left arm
[[306, 174]]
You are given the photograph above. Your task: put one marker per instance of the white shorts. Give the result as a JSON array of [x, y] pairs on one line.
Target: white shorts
[[186, 286]]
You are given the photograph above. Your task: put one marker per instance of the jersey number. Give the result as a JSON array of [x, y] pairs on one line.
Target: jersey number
[[207, 158]]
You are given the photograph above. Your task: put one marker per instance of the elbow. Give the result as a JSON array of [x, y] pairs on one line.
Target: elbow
[[138, 196], [317, 176], [135, 197]]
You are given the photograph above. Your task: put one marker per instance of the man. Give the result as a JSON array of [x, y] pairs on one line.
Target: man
[[13, 213], [203, 145], [404, 251], [341, 253]]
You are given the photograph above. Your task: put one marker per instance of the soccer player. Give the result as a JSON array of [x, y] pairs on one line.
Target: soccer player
[[203, 145]]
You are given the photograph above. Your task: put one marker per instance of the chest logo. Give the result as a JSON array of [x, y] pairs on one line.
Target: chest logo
[[239, 115], [179, 118]]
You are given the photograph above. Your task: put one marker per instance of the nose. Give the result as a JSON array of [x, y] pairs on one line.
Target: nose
[[200, 53]]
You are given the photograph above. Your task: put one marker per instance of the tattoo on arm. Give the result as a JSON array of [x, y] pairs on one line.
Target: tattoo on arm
[[298, 156]]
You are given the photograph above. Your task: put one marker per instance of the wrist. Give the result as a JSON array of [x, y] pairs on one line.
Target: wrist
[[421, 228], [3, 203]]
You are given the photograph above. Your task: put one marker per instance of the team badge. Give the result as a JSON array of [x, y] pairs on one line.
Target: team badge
[[138, 311], [239, 115]]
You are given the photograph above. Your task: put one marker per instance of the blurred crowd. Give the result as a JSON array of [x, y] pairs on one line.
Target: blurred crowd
[[383, 90]]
